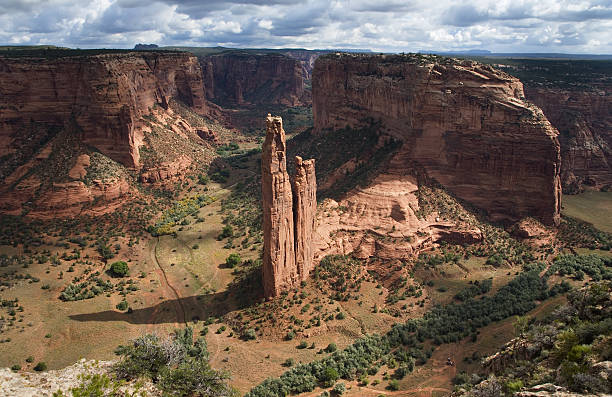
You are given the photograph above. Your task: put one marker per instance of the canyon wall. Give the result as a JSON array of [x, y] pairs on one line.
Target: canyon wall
[[463, 124], [106, 95], [241, 78], [584, 120], [288, 228]]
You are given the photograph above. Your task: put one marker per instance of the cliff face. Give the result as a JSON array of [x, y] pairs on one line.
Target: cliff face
[[287, 256], [56, 112], [106, 95], [584, 121], [462, 123], [237, 78]]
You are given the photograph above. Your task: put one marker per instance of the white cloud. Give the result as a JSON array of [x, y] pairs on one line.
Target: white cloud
[[383, 25]]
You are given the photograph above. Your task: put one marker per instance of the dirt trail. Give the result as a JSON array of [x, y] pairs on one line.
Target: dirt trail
[[400, 393], [169, 290]]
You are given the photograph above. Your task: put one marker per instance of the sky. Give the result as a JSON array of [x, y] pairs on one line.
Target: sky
[[572, 26]]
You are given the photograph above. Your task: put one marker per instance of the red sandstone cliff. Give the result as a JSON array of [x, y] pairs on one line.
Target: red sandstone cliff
[[464, 124], [106, 95], [240, 78], [584, 120], [304, 186], [56, 111]]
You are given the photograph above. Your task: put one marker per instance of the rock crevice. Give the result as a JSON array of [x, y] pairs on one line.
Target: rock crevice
[[289, 209]]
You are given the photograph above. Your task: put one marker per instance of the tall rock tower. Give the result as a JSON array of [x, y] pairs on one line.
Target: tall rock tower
[[288, 228], [304, 186]]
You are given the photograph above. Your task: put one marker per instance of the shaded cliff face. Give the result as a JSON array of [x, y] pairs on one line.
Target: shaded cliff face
[[575, 96], [238, 79], [462, 123], [584, 121], [105, 95]]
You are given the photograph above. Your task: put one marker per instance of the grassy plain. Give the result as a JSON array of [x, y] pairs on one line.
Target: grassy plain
[[593, 207]]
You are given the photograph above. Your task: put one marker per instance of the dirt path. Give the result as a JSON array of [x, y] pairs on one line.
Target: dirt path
[[169, 290], [398, 393]]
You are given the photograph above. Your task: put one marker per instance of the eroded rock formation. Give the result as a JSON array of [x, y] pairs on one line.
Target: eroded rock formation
[[287, 225], [279, 270], [58, 110], [305, 210], [464, 124], [106, 95], [241, 78]]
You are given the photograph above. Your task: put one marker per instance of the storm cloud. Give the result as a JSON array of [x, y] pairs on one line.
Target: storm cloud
[[383, 25]]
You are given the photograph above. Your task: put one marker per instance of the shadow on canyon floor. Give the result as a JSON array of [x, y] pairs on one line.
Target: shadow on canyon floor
[[240, 294], [197, 307]]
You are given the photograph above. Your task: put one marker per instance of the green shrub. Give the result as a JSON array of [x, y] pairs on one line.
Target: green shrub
[[119, 269], [41, 366], [123, 305], [513, 386], [339, 389], [233, 260], [249, 334], [393, 385], [331, 348], [194, 377], [330, 376]]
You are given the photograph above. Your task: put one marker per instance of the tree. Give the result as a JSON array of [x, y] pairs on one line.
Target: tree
[[228, 231], [233, 260], [41, 366], [330, 376], [119, 269]]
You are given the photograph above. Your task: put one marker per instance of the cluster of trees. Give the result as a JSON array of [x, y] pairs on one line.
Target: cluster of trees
[[596, 266], [574, 232], [565, 348], [477, 288], [403, 347], [220, 176], [181, 209]]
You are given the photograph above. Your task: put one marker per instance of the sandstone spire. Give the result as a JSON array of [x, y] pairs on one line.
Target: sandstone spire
[[304, 186], [279, 270], [287, 226]]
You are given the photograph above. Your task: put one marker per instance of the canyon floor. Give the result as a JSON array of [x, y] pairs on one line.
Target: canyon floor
[[183, 279], [60, 302]]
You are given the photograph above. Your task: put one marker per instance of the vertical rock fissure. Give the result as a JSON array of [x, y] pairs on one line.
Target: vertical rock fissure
[[289, 209]]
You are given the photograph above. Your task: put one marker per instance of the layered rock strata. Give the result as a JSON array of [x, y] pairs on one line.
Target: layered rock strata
[[287, 255], [584, 120], [464, 124], [241, 78], [106, 95]]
